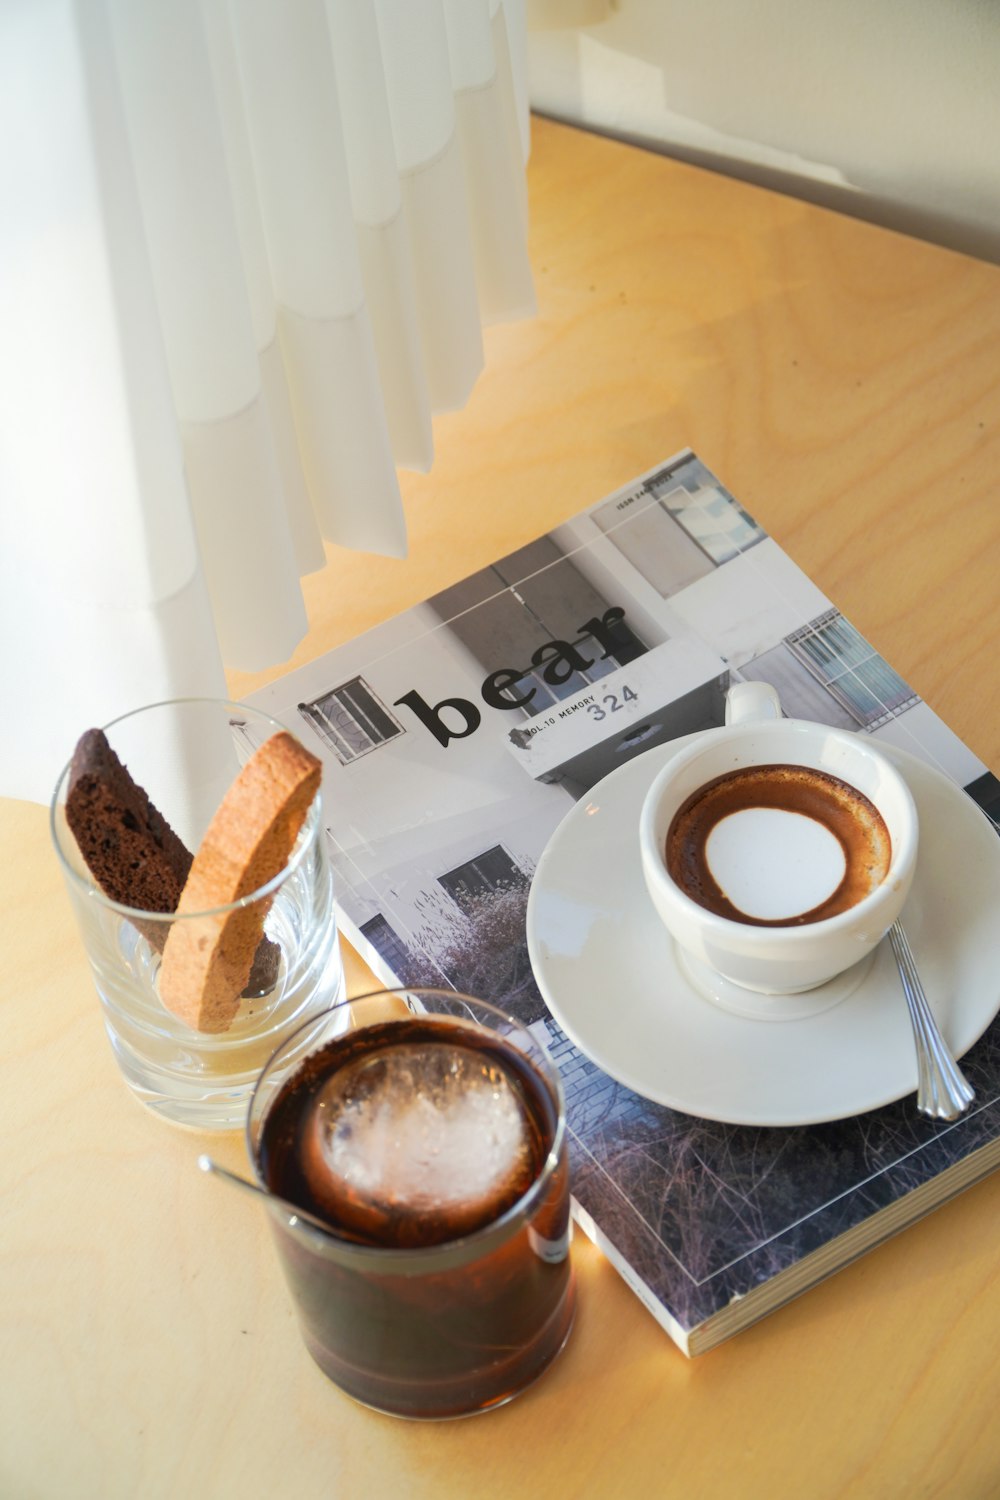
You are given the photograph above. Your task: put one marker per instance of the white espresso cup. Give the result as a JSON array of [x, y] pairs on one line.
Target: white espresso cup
[[792, 847]]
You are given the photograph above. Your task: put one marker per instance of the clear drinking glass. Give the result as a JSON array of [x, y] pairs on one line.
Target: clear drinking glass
[[185, 754], [432, 1297]]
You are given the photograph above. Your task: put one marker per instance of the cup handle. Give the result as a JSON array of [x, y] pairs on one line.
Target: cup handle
[[752, 702]]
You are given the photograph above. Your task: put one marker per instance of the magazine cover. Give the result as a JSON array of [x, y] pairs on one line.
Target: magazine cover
[[457, 737]]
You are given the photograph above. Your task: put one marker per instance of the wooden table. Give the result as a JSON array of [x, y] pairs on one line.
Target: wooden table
[[843, 382]]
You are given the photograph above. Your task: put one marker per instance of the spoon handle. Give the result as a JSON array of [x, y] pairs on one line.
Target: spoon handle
[[295, 1215], [943, 1091]]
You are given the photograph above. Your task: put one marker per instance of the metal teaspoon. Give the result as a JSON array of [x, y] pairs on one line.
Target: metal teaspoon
[[943, 1091]]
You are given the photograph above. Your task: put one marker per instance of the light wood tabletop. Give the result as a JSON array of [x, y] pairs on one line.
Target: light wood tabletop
[[844, 383]]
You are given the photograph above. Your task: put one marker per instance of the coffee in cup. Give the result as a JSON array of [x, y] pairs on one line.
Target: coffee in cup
[[778, 845], [777, 852]]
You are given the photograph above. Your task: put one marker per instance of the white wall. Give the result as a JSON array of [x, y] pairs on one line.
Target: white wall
[[887, 109]]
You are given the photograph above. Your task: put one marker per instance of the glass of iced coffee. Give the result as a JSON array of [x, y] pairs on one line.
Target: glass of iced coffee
[[427, 1129]]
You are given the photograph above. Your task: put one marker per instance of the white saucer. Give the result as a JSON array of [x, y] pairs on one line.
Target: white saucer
[[610, 975]]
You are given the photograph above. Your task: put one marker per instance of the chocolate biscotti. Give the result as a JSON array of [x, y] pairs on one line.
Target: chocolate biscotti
[[131, 850], [129, 847]]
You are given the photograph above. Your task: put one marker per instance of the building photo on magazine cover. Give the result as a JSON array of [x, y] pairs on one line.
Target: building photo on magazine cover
[[456, 738]]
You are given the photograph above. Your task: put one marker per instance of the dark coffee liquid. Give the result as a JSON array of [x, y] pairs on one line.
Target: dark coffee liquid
[[420, 1308], [324, 1143], [841, 809]]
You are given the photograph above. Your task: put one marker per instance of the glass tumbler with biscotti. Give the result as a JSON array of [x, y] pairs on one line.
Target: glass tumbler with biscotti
[[191, 839], [427, 1129]]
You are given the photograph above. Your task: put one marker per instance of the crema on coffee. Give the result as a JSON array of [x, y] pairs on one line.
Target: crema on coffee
[[777, 846]]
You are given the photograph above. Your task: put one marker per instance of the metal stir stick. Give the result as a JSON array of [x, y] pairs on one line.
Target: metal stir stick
[[207, 1164]]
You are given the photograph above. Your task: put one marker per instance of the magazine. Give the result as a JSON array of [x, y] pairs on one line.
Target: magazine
[[455, 739]]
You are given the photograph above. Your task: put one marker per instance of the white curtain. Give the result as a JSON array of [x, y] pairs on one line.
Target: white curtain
[[247, 248]]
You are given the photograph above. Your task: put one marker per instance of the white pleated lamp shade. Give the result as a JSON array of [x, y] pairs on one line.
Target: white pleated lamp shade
[[248, 248], [103, 593], [486, 124], [383, 243], [428, 156]]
